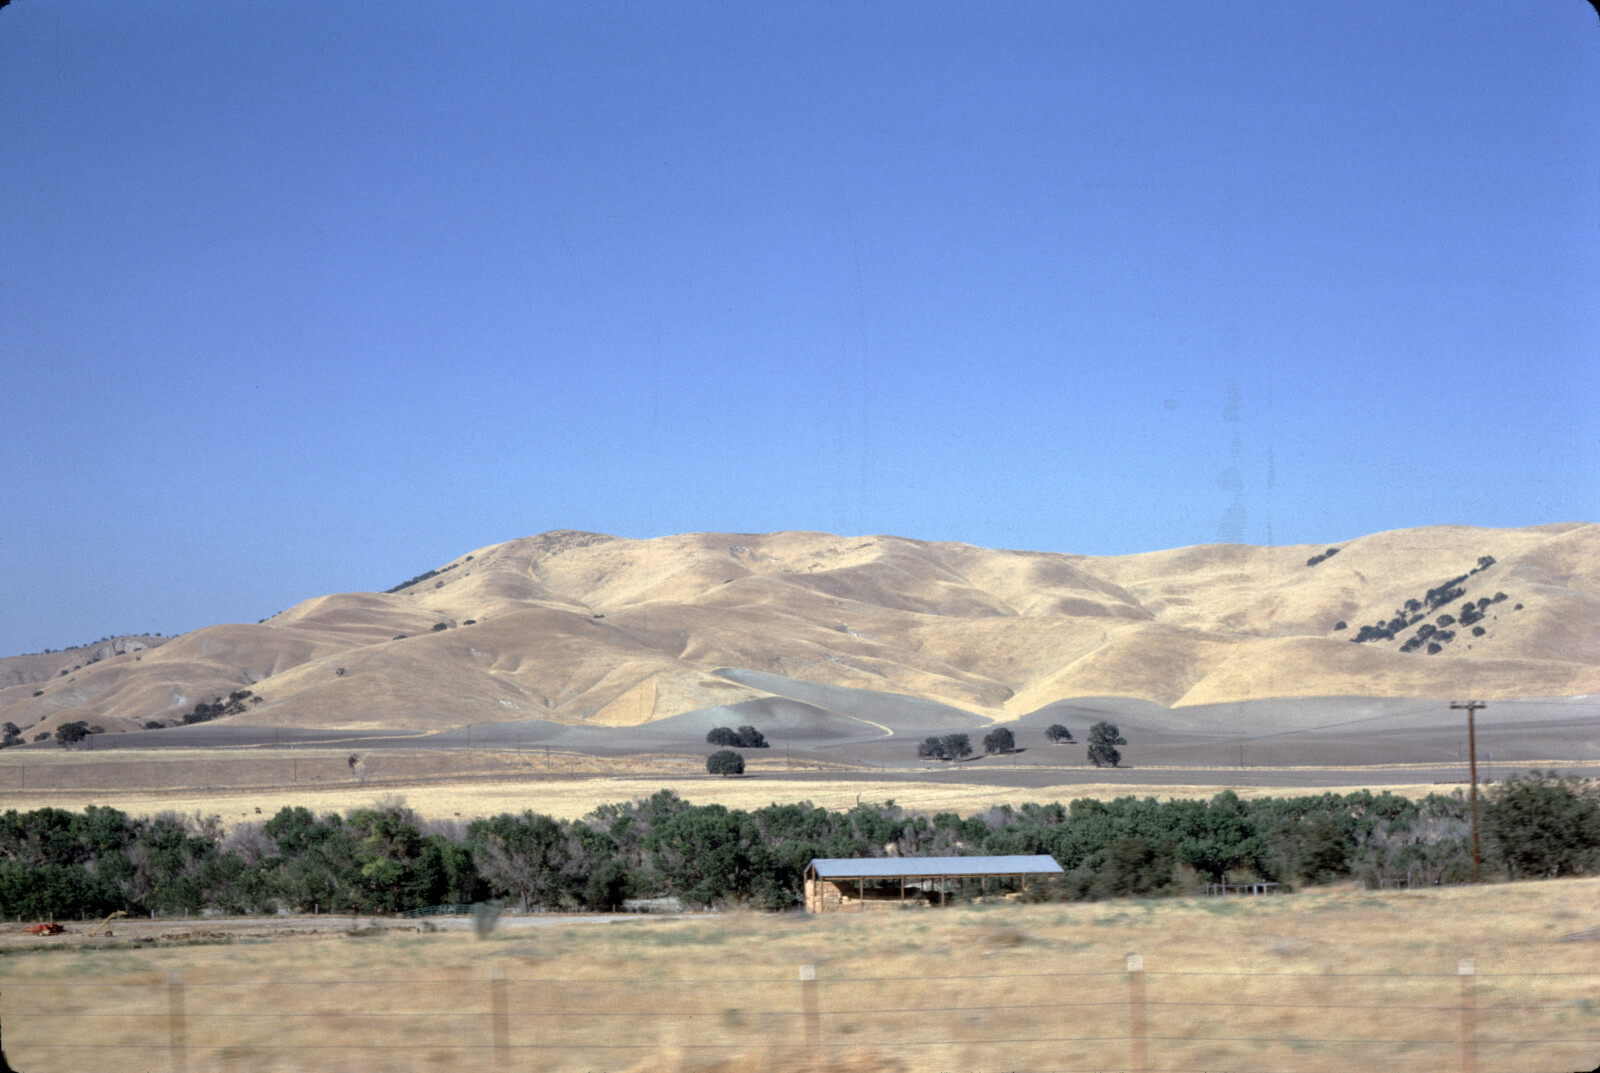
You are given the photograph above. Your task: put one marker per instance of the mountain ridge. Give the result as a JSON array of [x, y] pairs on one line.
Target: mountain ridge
[[590, 629]]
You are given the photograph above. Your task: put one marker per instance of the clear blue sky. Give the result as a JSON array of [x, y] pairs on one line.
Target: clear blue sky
[[309, 297]]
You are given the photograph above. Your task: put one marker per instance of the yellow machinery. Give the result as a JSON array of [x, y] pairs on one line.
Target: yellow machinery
[[103, 928]]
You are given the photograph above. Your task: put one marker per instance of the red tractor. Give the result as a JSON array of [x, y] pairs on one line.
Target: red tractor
[[51, 928]]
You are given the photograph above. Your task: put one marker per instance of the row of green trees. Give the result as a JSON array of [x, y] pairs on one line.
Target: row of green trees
[[385, 859]]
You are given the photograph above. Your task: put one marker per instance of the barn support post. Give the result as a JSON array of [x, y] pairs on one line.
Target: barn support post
[[177, 1040], [861, 894]]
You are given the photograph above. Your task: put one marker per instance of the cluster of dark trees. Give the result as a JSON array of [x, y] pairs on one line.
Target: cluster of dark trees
[[1437, 634], [1103, 741], [204, 712], [745, 737], [1323, 557], [949, 747], [384, 859], [425, 576]]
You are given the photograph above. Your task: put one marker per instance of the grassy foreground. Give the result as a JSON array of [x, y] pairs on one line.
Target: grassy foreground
[[1320, 981]]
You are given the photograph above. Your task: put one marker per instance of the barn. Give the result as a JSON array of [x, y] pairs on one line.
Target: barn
[[835, 884]]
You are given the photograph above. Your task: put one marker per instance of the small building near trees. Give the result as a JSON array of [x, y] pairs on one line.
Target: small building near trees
[[835, 884]]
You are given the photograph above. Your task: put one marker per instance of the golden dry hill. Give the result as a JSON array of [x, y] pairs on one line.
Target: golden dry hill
[[585, 628]]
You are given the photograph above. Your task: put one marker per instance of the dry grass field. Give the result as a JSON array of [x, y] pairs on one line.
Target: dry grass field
[[248, 785], [1319, 982]]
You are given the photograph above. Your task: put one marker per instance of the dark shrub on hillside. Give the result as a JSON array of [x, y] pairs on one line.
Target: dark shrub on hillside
[[1435, 648], [1340, 625], [1478, 631], [218, 708], [1444, 593], [721, 736], [751, 738], [1446, 620], [1058, 734]]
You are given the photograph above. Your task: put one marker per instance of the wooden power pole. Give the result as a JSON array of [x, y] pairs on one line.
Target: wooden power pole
[[1471, 707]]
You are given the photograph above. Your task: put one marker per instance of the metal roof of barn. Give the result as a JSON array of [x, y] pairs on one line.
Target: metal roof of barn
[[926, 867]]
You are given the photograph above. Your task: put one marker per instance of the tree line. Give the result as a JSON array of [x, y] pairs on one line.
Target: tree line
[[386, 859]]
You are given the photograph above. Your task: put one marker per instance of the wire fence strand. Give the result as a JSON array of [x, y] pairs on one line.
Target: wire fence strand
[[1067, 1020]]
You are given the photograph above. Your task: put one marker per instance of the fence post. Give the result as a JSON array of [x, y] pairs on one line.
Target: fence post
[[176, 1041], [500, 1029], [1138, 1058], [1468, 971], [812, 1018]]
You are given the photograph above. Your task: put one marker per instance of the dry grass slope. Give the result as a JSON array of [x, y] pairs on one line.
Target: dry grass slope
[[585, 628]]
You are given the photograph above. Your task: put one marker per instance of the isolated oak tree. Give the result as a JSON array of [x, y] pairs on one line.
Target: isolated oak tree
[[725, 763], [1058, 734], [999, 740], [721, 736], [72, 733], [1103, 741]]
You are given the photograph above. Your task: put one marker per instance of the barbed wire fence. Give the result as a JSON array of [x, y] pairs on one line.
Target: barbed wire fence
[[1128, 1019]]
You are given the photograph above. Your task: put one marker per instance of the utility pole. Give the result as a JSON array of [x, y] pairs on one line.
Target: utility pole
[[1471, 707]]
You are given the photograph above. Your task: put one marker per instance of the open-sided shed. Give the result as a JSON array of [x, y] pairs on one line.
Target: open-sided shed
[[837, 883]]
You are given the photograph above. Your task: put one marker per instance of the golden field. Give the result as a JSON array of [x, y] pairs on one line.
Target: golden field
[[239, 785], [1319, 982]]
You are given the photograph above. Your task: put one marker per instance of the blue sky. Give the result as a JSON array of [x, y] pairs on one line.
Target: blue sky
[[303, 298]]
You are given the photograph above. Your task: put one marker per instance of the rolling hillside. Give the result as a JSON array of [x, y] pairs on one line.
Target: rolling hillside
[[588, 629]]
